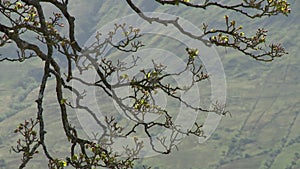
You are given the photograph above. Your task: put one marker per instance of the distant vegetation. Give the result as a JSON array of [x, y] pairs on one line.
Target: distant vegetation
[[263, 98]]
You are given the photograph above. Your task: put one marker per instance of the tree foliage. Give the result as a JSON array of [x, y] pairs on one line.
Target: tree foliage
[[28, 17]]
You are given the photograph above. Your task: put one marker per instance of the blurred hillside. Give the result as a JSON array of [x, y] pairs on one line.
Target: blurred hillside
[[263, 98]]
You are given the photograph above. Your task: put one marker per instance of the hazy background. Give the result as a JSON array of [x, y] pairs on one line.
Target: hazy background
[[263, 98]]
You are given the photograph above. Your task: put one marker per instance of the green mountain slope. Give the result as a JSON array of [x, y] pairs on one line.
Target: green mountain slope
[[263, 98]]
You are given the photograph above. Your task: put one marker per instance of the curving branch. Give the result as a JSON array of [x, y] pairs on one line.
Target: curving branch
[[231, 36], [28, 17]]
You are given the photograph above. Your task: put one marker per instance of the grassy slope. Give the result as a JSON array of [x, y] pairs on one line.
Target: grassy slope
[[263, 99]]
